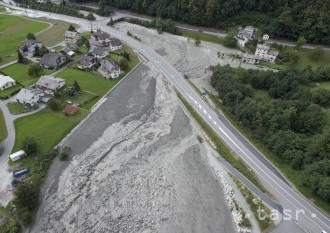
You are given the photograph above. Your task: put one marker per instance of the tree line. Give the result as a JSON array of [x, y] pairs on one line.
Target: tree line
[[288, 118], [281, 18]]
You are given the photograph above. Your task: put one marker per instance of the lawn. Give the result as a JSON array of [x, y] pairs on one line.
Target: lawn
[[19, 72], [16, 108], [13, 31], [46, 127], [9, 91], [88, 81], [325, 85], [2, 9], [134, 60], [202, 36], [306, 57], [58, 48], [3, 127], [54, 35], [82, 98]]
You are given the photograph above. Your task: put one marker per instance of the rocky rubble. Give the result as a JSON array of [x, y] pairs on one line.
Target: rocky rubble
[[235, 209], [144, 175]]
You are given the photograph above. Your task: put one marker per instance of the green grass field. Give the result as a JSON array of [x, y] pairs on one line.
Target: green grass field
[[54, 35], [325, 85], [2, 9], [47, 127], [13, 31], [9, 91], [58, 48], [82, 98], [306, 57], [3, 127], [19, 72], [15, 108], [202, 36], [88, 81]]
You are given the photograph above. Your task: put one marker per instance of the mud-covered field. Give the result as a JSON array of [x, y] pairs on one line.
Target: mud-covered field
[[139, 168]]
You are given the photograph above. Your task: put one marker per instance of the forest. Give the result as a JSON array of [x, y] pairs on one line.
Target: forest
[[280, 18], [289, 118]]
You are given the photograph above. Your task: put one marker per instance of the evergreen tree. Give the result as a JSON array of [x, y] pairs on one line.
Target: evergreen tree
[[20, 58]]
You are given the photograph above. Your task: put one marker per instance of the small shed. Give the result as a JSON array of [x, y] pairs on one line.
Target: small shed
[[17, 155], [70, 110]]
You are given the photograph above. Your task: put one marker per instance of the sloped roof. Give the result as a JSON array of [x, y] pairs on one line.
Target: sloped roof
[[251, 56], [27, 94], [29, 42], [263, 46], [99, 51], [101, 35], [115, 42], [5, 79], [109, 66], [51, 59], [49, 82], [70, 34], [86, 60]]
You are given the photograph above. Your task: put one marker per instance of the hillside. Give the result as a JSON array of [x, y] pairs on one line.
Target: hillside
[[280, 18]]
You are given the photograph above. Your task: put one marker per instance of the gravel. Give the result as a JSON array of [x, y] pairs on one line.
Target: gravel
[[138, 168]]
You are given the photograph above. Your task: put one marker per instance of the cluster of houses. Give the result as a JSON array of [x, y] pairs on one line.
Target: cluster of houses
[[42, 91], [263, 51], [101, 45]]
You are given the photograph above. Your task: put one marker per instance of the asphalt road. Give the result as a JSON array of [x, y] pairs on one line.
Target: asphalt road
[[306, 215]]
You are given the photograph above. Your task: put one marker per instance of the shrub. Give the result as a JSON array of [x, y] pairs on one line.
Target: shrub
[[29, 145], [65, 153]]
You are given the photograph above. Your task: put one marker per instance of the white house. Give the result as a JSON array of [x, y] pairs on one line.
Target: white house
[[50, 84], [100, 52], [115, 44], [271, 56], [265, 37], [250, 59], [109, 69], [71, 37], [265, 53], [102, 37], [29, 96], [6, 82], [245, 34], [262, 50]]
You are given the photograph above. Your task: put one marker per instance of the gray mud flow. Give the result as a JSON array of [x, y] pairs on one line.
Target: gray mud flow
[[138, 167]]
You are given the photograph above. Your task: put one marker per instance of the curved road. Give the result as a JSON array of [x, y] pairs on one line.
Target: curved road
[[301, 211]]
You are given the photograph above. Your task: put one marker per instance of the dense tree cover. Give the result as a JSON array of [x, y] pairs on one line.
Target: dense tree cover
[[160, 25], [288, 120], [303, 19], [51, 7]]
